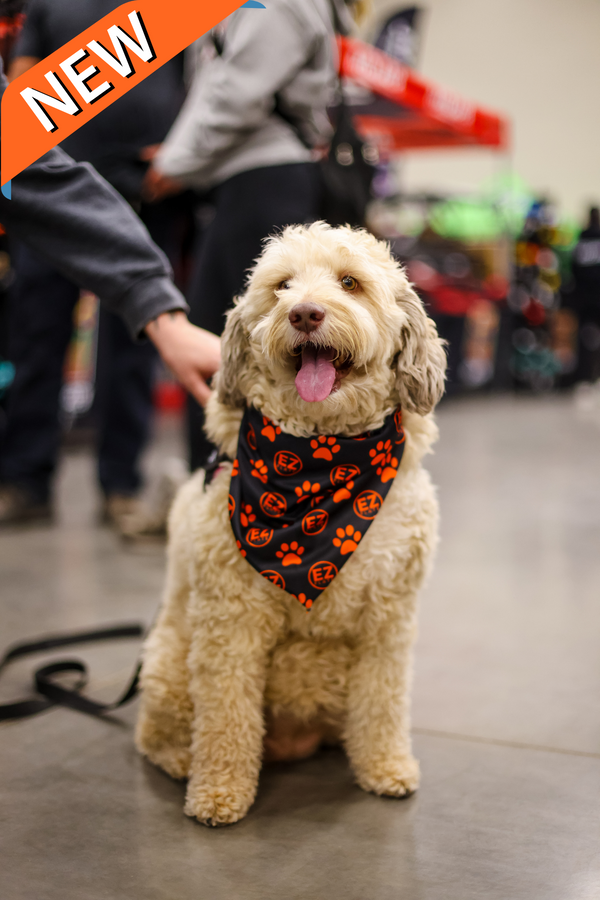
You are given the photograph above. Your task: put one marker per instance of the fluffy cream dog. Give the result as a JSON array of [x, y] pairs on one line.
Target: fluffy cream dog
[[235, 667]]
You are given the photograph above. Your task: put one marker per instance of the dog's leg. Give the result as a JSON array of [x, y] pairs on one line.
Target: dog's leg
[[163, 732], [305, 696], [228, 663], [378, 726]]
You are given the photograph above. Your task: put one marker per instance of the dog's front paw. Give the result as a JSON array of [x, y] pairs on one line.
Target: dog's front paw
[[172, 760], [217, 805], [393, 777], [169, 750]]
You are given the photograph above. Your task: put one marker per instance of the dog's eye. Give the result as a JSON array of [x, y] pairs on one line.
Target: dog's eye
[[284, 285], [349, 283]]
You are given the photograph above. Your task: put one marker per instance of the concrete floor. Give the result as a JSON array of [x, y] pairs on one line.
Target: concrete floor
[[506, 712]]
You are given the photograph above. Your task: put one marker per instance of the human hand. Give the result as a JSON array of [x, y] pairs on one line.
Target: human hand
[[157, 186], [148, 153], [192, 354]]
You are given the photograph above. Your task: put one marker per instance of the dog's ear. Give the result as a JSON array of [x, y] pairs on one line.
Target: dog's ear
[[421, 361], [234, 355]]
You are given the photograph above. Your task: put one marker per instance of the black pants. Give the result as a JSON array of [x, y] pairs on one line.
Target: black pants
[[41, 325], [248, 207]]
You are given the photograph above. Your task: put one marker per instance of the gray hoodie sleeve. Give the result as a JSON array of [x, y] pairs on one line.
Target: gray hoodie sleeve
[[286, 47], [67, 213]]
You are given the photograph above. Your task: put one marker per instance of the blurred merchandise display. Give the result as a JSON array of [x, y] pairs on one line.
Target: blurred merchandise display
[[462, 271], [494, 269], [457, 251], [480, 339], [77, 393], [464, 284], [544, 340], [497, 275]]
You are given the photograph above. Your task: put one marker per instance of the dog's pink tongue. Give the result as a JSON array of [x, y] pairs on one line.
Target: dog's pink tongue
[[315, 379]]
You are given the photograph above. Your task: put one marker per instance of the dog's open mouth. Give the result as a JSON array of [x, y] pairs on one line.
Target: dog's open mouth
[[320, 371]]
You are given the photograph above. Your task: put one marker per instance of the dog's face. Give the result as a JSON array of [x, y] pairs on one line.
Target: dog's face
[[329, 335]]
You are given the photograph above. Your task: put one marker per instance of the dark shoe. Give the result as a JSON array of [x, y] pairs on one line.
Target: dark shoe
[[136, 520], [128, 517], [18, 505], [116, 507]]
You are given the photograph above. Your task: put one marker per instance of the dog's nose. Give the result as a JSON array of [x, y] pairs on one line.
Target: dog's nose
[[306, 317]]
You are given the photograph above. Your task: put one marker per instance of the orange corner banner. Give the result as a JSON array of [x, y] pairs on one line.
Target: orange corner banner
[[68, 88]]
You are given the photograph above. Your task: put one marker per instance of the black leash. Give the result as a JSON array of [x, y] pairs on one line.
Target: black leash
[[52, 693]]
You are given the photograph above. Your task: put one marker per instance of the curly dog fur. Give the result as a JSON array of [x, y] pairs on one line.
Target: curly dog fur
[[235, 668]]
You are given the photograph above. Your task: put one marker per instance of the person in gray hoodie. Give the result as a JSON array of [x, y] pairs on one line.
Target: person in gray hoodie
[[249, 132]]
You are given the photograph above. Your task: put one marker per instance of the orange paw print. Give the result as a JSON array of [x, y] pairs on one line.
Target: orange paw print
[[269, 430], [240, 548], [382, 458], [290, 554], [347, 540], [389, 472], [306, 603], [382, 454], [306, 490], [246, 515], [235, 468], [324, 447], [259, 470], [343, 493]]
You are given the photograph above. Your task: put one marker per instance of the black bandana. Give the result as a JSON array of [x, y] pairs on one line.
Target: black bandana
[[300, 506]]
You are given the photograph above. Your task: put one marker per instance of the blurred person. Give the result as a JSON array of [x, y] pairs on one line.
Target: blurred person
[[42, 300], [584, 297], [67, 213], [250, 132]]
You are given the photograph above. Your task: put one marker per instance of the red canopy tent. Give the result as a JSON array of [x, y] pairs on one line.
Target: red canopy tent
[[409, 112]]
